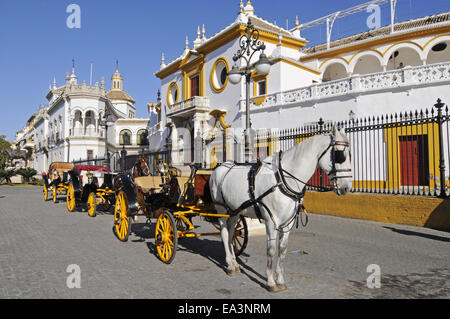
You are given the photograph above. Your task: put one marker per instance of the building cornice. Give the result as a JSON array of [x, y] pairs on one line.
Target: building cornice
[[377, 41]]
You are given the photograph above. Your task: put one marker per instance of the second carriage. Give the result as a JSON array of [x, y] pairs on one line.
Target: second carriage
[[173, 200], [91, 187]]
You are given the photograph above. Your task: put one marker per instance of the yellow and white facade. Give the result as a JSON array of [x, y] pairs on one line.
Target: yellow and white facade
[[387, 70]]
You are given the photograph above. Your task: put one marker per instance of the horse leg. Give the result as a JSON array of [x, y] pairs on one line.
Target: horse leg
[[224, 233], [271, 234], [282, 247], [231, 225]]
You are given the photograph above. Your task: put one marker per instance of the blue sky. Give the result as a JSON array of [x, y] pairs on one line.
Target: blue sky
[[36, 44]]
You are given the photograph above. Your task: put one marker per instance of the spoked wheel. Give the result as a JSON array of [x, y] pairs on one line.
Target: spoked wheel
[[240, 236], [70, 198], [122, 223], [166, 237], [45, 192], [92, 205], [54, 195]]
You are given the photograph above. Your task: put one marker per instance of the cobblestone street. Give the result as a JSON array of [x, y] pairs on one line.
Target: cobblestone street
[[327, 259]]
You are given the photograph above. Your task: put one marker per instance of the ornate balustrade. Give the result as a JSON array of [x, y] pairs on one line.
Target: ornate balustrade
[[406, 77], [194, 104]]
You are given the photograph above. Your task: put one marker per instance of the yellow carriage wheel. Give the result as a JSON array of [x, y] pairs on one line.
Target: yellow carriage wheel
[[122, 223], [70, 198], [54, 195], [92, 205], [45, 192], [166, 237]]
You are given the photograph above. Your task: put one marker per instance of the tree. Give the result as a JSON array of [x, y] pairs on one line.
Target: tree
[[6, 175], [27, 173], [4, 144]]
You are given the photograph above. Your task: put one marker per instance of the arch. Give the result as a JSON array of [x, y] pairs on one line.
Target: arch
[[364, 60], [142, 137], [409, 53], [91, 109], [441, 56], [334, 60], [334, 71], [125, 137], [367, 64]]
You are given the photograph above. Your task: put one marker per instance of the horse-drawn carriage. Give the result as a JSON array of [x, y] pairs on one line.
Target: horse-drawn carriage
[[57, 179], [89, 187], [173, 200]]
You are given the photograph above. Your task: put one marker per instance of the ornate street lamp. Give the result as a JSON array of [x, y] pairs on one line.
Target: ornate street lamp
[[123, 157], [249, 44], [107, 121]]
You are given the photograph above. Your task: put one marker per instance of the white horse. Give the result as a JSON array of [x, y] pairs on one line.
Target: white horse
[[278, 192]]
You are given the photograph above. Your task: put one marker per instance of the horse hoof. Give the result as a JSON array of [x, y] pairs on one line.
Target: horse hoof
[[277, 288], [282, 287], [234, 271]]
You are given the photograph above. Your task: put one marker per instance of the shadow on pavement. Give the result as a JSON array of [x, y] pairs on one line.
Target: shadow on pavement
[[418, 234]]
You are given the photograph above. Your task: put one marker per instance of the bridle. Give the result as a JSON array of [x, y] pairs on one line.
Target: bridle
[[337, 157]]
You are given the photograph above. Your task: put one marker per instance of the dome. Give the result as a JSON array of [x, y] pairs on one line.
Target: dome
[[119, 95]]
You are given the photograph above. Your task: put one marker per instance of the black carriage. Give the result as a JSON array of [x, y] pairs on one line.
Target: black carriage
[[173, 200], [90, 187]]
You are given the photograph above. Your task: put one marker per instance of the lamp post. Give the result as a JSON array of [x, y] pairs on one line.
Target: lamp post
[[106, 122], [249, 44], [123, 155]]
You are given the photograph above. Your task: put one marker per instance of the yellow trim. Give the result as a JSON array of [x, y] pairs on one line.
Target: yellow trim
[[259, 100], [393, 150], [168, 93], [219, 117], [225, 38], [329, 59], [257, 78], [190, 69], [409, 210], [296, 65], [365, 50], [385, 40], [439, 36], [213, 70]]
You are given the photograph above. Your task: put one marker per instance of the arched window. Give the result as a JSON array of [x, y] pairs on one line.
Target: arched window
[[142, 137], [125, 137]]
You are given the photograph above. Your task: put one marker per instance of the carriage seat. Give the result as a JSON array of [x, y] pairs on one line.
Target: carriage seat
[[148, 183]]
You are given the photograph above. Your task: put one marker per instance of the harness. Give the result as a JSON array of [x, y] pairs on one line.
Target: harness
[[284, 186]]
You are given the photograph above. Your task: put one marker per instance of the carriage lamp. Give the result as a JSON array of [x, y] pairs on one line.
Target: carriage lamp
[[249, 44]]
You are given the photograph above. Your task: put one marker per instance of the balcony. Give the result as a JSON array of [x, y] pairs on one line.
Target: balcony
[[407, 77], [86, 132], [189, 107]]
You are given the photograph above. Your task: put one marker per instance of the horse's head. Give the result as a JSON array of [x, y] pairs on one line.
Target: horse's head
[[336, 161], [141, 166]]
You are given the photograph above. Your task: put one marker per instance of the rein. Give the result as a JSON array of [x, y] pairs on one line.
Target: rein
[[285, 188]]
